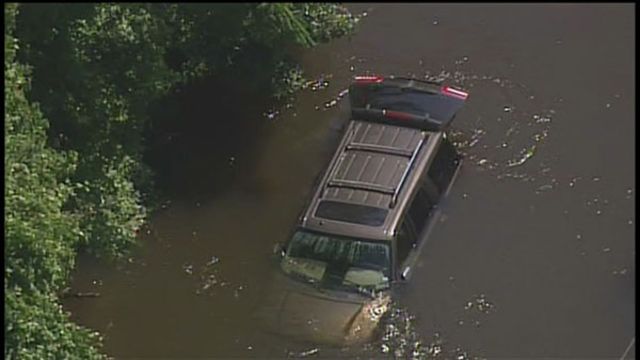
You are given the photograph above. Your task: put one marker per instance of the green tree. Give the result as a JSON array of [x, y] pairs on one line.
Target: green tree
[[40, 238], [75, 121]]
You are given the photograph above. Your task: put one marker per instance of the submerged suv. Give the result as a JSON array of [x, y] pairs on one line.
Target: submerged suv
[[370, 213]]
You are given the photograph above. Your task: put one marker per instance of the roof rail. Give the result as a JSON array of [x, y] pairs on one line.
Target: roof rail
[[394, 198], [345, 147], [380, 149], [359, 185]]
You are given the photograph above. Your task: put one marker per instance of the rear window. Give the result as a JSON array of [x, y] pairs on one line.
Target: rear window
[[438, 106], [352, 213]]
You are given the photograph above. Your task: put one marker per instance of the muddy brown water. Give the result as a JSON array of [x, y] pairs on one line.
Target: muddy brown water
[[535, 254]]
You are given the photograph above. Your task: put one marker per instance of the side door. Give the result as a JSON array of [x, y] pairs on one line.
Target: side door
[[405, 242], [412, 231], [420, 211]]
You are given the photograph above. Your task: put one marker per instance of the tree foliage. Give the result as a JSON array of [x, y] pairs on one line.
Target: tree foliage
[[75, 121], [36, 327], [40, 238]]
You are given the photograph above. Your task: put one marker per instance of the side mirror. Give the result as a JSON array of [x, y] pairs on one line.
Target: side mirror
[[404, 276]]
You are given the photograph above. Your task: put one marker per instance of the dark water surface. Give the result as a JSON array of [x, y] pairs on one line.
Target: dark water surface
[[535, 254]]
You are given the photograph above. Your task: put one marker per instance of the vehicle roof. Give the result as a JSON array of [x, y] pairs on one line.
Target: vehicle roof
[[370, 180]]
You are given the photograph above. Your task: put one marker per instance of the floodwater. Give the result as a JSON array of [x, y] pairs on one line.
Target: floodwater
[[534, 257]]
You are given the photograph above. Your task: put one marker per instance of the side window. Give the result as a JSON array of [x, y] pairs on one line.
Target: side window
[[405, 240], [419, 210], [444, 165]]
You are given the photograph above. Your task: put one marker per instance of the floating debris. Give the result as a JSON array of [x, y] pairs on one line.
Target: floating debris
[[330, 104], [544, 188], [461, 355], [539, 137], [399, 336], [309, 352], [188, 268], [541, 119], [318, 84], [526, 156], [480, 303], [209, 281], [476, 136], [572, 182], [620, 272], [435, 347], [271, 114], [236, 292], [343, 93], [213, 260]]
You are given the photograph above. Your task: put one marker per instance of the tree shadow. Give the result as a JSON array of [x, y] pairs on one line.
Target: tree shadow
[[199, 134]]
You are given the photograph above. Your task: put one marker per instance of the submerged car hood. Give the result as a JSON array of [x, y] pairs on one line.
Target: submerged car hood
[[301, 312]]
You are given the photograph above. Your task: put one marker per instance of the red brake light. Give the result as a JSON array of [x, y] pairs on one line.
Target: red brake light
[[454, 92], [369, 79]]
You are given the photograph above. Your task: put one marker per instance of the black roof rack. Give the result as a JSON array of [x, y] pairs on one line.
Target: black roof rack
[[406, 172], [377, 154]]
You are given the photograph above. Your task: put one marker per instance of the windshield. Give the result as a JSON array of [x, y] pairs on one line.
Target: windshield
[[338, 262]]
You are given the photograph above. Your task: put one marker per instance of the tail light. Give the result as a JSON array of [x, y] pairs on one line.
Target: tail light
[[369, 79], [454, 92]]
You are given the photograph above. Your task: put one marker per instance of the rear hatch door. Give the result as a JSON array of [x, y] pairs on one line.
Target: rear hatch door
[[423, 104]]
